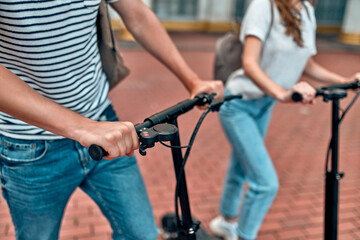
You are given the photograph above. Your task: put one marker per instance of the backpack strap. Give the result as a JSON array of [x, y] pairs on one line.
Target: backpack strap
[[271, 21], [306, 9], [112, 34]]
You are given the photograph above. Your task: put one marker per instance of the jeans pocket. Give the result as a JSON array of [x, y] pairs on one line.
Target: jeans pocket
[[22, 151]]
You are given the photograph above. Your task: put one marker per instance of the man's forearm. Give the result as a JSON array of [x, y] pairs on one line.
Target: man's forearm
[[150, 33], [22, 102]]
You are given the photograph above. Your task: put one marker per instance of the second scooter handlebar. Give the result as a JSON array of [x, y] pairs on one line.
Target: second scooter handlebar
[[297, 97]]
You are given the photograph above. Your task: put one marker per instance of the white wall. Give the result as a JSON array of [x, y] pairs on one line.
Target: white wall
[[208, 10], [216, 11], [351, 23]]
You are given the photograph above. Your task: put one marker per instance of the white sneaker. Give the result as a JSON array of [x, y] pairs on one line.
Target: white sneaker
[[223, 228]]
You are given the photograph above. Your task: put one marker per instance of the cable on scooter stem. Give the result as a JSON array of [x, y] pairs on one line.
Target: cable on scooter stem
[[214, 106], [186, 156], [340, 120]]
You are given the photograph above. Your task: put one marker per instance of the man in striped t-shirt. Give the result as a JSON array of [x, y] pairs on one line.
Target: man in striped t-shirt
[[53, 91]]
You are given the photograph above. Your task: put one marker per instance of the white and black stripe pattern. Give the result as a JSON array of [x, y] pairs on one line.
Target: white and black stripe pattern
[[51, 45]]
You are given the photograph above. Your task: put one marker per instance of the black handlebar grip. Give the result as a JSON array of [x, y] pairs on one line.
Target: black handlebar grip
[[230, 97], [297, 97], [96, 152]]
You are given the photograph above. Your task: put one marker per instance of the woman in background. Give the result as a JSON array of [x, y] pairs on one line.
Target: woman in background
[[279, 46]]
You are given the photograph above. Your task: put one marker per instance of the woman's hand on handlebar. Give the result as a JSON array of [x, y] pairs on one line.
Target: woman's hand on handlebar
[[305, 89], [116, 138]]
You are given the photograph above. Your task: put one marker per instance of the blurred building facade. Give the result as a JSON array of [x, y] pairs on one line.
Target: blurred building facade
[[333, 16]]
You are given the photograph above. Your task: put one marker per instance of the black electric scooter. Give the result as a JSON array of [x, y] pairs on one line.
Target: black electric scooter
[[162, 127], [333, 93]]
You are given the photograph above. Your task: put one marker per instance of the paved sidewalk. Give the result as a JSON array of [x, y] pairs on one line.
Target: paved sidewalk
[[297, 141]]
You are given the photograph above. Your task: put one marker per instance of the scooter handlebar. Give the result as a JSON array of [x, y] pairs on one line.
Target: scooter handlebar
[[97, 152]]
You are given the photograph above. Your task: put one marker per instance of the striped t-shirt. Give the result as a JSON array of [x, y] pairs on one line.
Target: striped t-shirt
[[52, 46]]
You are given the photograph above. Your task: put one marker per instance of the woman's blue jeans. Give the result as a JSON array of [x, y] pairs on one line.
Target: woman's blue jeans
[[38, 178], [245, 123]]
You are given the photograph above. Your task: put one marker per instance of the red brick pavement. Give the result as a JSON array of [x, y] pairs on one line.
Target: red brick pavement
[[297, 141]]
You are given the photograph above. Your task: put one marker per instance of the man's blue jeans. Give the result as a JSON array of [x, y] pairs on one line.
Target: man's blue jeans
[[245, 123], [38, 178]]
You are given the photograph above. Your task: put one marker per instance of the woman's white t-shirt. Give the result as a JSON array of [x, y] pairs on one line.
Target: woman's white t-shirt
[[282, 59]]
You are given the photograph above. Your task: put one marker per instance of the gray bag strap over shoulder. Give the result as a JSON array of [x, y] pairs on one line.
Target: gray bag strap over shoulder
[[111, 59]]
